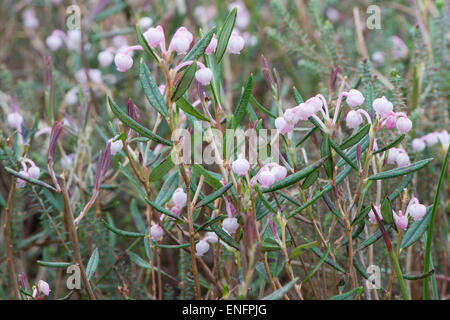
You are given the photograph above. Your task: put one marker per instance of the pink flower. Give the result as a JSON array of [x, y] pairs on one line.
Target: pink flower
[[123, 62], [418, 145], [404, 125], [283, 126], [401, 221], [382, 106], [54, 42], [431, 139], [266, 178], [201, 248], [291, 115], [116, 146], [240, 166], [156, 233], [34, 172], [15, 120], [211, 48], [444, 138], [181, 40], [390, 122], [204, 76], [353, 119], [354, 98], [235, 44], [372, 217], [42, 289], [145, 23], [307, 109], [392, 155], [211, 237], [242, 14], [415, 209], [20, 182], [399, 48], [315, 102], [176, 209], [279, 172], [179, 197], [105, 58], [230, 225], [154, 36], [402, 159]]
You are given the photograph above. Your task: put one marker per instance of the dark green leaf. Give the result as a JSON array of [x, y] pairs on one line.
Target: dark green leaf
[[416, 230], [225, 237], [185, 81], [151, 90], [199, 48], [390, 145], [184, 105], [122, 232], [401, 171], [224, 35], [243, 102], [213, 196]]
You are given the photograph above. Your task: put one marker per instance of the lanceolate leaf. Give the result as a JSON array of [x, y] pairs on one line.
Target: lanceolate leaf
[[351, 295], [351, 154], [373, 238], [327, 260], [259, 106], [264, 200], [199, 48], [122, 232], [136, 126], [151, 90], [224, 35], [225, 237], [210, 177], [277, 295], [325, 152], [184, 105], [401, 171], [167, 189], [416, 230], [310, 179], [185, 81], [52, 264], [92, 264], [343, 155], [163, 210], [243, 102], [293, 178], [354, 139], [161, 170], [390, 145], [317, 266], [213, 196]]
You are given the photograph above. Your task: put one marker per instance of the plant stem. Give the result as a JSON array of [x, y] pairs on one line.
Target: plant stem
[[9, 252]]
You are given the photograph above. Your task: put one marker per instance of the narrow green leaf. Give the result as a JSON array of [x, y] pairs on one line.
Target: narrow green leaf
[[185, 81], [263, 199], [354, 139], [310, 179], [213, 196], [143, 42], [373, 238], [122, 233], [52, 264], [92, 264], [351, 295], [416, 230], [278, 294], [342, 154], [260, 107], [301, 248], [162, 169], [317, 266], [386, 211], [199, 48], [151, 90], [163, 210], [184, 105], [243, 102], [224, 35], [225, 237], [211, 178], [325, 152], [401, 171], [390, 145], [136, 126], [167, 189], [327, 260]]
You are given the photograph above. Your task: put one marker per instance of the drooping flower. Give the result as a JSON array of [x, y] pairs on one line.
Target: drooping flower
[[34, 172], [390, 122], [431, 139], [54, 41], [372, 217], [145, 23], [123, 62], [266, 178], [156, 233], [201, 248], [382, 106], [179, 197], [211, 237], [355, 98], [230, 225], [15, 120], [235, 44], [401, 220], [211, 48], [418, 145], [116, 146], [105, 58], [240, 166], [154, 36], [204, 76], [415, 209], [404, 124], [41, 290], [402, 158], [279, 172], [20, 182], [181, 40], [353, 119]]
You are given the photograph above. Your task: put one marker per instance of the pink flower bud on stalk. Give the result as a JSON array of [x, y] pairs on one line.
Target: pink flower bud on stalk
[[279, 172], [145, 23], [204, 76], [354, 98], [105, 58], [55, 40], [415, 209], [156, 233], [266, 178], [235, 44], [179, 197], [154, 36], [392, 155], [211, 237], [201, 248], [240, 166], [353, 119], [211, 48], [390, 122], [15, 120], [401, 221], [41, 290], [230, 225], [123, 62], [34, 172], [431, 139], [372, 217], [181, 41], [404, 124], [382, 106], [73, 39], [283, 126], [418, 145], [402, 159]]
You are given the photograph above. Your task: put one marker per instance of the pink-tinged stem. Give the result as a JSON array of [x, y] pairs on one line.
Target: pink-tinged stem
[[133, 48], [325, 105], [338, 105], [364, 112], [187, 63]]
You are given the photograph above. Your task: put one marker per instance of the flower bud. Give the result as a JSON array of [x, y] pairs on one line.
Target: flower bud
[[279, 172], [53, 42], [15, 120], [402, 159], [416, 211], [34, 172], [390, 122], [211, 48], [179, 197], [353, 119], [240, 166], [180, 44], [354, 98], [211, 237], [418, 145], [105, 58], [401, 221], [145, 23], [392, 155], [156, 233], [204, 76], [235, 44], [382, 106], [230, 225], [43, 287], [201, 248], [431, 139], [116, 146], [283, 126], [404, 125], [266, 179], [123, 62], [372, 217], [154, 36]]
